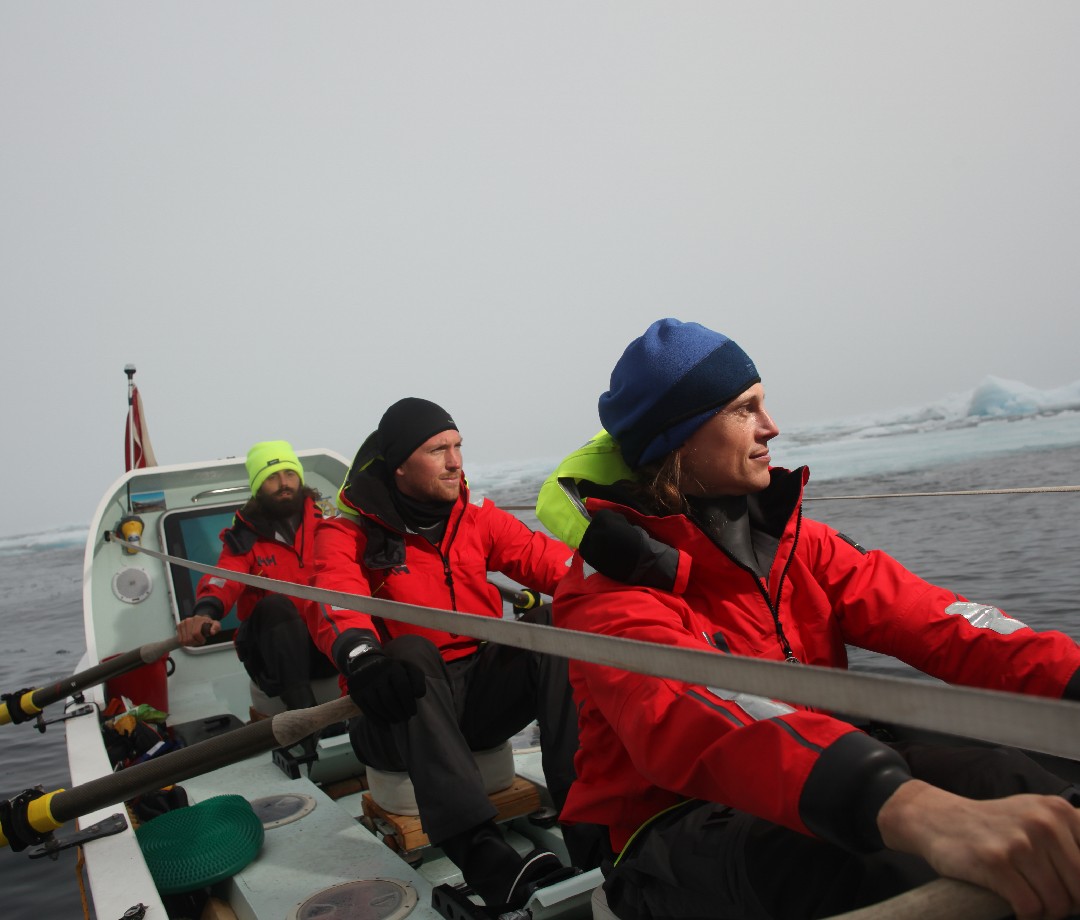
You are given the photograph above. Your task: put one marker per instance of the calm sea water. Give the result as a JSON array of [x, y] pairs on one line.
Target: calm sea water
[[1015, 551], [41, 621]]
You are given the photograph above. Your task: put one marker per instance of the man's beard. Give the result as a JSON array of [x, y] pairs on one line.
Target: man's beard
[[278, 507]]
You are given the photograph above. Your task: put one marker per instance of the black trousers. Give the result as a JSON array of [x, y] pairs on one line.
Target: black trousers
[[471, 705], [705, 860], [276, 649]]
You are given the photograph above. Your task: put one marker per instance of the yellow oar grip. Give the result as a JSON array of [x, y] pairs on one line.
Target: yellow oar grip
[[26, 704], [39, 813], [39, 816]]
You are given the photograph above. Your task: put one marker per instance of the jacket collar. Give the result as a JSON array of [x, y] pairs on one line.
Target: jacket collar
[[250, 525], [366, 490]]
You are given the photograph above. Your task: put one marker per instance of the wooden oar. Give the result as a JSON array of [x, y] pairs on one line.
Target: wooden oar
[[31, 702], [51, 810], [945, 898]]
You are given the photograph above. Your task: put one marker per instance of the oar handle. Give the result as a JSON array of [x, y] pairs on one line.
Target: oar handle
[[518, 597], [943, 897]]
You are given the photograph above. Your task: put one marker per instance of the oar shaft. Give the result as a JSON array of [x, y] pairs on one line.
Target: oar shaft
[[945, 897], [283, 730], [173, 767], [34, 701], [106, 670]]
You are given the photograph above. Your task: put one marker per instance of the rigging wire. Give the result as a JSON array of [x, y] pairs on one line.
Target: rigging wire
[[940, 494]]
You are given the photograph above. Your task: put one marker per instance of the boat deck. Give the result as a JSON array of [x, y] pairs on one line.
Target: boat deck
[[290, 868], [131, 600]]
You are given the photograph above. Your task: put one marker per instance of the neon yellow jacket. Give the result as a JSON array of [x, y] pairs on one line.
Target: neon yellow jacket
[[559, 506]]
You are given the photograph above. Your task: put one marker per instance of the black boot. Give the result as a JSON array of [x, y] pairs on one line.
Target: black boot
[[493, 868], [538, 869]]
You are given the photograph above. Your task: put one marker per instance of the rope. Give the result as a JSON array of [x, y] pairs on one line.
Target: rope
[[961, 493], [80, 863], [964, 492], [1031, 723]]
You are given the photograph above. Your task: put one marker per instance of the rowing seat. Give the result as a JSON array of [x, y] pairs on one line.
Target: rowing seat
[[390, 802]]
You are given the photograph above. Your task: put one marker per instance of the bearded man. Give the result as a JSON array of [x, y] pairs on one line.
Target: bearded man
[[272, 535]]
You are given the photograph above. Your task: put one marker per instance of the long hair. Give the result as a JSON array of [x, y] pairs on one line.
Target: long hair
[[657, 486]]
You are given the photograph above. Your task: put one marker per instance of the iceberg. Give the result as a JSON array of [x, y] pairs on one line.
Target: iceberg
[[998, 398]]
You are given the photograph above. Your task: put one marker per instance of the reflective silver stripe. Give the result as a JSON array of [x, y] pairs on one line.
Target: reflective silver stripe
[[759, 708], [983, 616]]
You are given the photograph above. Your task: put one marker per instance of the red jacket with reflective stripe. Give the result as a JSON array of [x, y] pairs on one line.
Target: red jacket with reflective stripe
[[647, 743], [249, 548], [452, 575]]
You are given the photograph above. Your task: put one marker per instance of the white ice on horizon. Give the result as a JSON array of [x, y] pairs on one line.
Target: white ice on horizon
[[958, 425], [998, 416]]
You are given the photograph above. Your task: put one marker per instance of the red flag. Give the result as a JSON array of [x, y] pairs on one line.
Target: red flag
[[137, 450]]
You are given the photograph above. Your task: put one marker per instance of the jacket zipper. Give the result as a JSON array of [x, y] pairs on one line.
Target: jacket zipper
[[448, 574], [300, 552], [763, 589], [789, 655]]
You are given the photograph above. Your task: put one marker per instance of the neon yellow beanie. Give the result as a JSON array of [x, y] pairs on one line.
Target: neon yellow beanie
[[269, 457]]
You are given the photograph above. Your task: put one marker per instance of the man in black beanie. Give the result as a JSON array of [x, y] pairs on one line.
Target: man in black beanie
[[409, 533]]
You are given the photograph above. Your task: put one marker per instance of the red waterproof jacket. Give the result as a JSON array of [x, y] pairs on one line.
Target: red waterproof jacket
[[251, 547], [368, 551], [648, 743]]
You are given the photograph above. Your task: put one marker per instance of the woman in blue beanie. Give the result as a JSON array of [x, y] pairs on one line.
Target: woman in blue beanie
[[723, 804]]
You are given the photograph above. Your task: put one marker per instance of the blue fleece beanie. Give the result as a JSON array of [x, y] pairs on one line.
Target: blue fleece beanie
[[667, 384]]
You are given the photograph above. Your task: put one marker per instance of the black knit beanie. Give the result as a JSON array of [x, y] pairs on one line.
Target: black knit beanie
[[407, 424]]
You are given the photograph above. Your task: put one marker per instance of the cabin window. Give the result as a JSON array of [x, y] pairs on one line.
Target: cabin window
[[193, 533]]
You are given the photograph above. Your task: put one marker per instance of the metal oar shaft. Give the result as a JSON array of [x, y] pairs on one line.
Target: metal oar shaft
[[106, 670], [36, 700], [282, 730], [1032, 723]]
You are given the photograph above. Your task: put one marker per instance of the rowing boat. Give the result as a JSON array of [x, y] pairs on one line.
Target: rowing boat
[[335, 844]]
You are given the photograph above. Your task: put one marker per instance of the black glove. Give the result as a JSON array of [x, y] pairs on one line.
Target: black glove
[[527, 600], [625, 552], [385, 688]]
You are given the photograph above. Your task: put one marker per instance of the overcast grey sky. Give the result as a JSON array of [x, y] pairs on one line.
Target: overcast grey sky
[[287, 216]]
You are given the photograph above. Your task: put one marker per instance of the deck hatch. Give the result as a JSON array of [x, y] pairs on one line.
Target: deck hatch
[[275, 810], [366, 899]]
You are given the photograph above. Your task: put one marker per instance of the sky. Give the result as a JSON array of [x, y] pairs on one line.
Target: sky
[[287, 216]]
